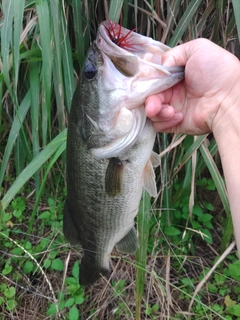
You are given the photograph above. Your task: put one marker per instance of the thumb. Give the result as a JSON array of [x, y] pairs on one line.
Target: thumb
[[178, 55]]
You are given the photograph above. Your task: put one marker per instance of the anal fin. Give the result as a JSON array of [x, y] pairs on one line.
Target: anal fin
[[129, 243]]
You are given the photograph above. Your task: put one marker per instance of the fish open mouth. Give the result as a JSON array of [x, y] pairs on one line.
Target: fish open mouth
[[113, 36], [125, 47]]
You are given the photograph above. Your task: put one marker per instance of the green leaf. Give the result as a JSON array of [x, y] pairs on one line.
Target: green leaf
[[28, 245], [208, 206], [6, 217], [28, 267], [207, 235], [69, 302], [17, 251], [3, 286], [19, 204], [7, 269], [205, 217], [197, 210], [155, 307], [75, 270], [45, 215], [234, 310], [17, 213], [148, 311], [79, 299], [74, 313], [234, 270], [172, 231], [47, 263], [51, 310], [71, 280], [195, 225], [57, 264], [11, 304], [187, 282], [9, 292]]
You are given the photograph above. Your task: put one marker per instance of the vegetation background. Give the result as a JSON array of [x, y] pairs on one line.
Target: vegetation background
[[187, 266]]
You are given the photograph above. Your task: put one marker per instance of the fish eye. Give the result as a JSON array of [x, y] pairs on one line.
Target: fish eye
[[90, 71]]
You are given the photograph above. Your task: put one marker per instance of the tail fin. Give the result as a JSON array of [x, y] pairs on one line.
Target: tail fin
[[90, 273]]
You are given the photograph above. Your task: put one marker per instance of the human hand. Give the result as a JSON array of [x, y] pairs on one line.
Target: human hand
[[205, 101]]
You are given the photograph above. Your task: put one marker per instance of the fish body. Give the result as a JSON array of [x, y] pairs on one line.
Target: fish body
[[109, 145]]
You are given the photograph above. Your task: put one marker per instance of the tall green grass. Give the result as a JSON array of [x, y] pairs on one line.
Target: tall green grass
[[43, 44]]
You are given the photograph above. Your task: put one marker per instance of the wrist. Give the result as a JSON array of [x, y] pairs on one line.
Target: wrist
[[227, 119]]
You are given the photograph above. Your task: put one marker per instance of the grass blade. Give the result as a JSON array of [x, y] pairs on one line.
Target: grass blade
[[143, 220], [35, 93], [33, 167], [115, 9], [57, 154], [67, 64], [18, 18], [6, 38], [46, 46], [236, 8], [15, 129], [81, 35], [57, 63], [184, 22], [220, 185]]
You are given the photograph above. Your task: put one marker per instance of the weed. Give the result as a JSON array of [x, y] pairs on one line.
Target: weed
[[73, 297]]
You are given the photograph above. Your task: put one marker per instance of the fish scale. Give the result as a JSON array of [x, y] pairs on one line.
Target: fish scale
[[108, 164]]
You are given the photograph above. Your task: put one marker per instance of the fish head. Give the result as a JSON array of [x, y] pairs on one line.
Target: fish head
[[122, 68]]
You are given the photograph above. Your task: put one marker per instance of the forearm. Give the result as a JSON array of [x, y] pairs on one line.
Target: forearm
[[228, 140]]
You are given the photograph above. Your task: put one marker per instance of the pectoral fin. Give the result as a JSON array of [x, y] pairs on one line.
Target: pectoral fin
[[149, 182], [114, 177], [129, 243]]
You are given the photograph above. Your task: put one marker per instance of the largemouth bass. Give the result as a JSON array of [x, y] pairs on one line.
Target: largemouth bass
[[109, 144]]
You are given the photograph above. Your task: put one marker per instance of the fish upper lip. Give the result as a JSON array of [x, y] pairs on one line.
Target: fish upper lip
[[106, 45]]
